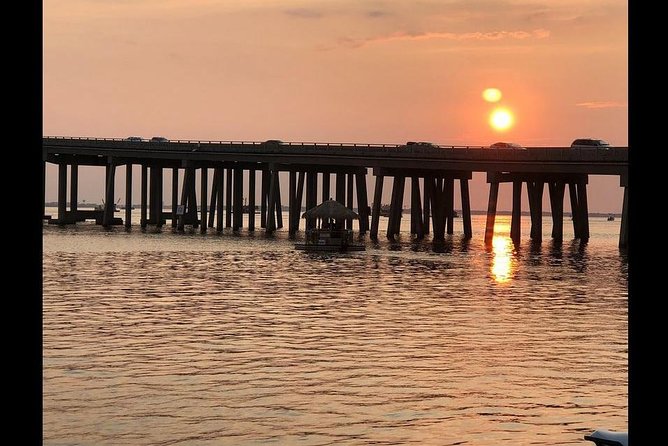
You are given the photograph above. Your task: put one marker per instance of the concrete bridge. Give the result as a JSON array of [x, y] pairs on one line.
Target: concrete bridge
[[431, 169]]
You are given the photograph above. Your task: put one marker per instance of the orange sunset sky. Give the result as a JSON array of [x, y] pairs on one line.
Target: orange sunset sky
[[338, 71]]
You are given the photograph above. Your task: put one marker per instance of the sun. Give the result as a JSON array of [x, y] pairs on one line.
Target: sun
[[501, 119], [491, 94]]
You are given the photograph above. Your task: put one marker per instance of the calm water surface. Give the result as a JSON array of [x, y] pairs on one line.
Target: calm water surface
[[188, 339]]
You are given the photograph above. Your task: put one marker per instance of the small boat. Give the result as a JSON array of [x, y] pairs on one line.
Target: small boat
[[329, 235], [100, 207], [611, 217]]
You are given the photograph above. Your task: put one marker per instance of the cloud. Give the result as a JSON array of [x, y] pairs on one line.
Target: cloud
[[602, 104], [463, 36]]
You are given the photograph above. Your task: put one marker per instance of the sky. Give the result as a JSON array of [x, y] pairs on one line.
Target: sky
[[338, 71]]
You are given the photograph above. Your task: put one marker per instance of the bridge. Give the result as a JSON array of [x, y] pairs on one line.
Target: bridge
[[432, 170]]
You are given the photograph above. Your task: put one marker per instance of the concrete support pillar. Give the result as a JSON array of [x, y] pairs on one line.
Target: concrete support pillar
[[228, 198], [238, 199], [325, 186], [62, 193], [417, 227], [341, 188], [375, 212], [158, 196], [185, 195], [575, 209], [466, 207], [535, 191], [292, 202], [143, 220], [426, 208], [220, 196], [362, 202], [251, 200], [449, 189], [279, 205], [624, 229], [128, 195], [396, 206], [109, 204], [271, 202], [556, 190], [175, 195], [299, 195], [311, 196], [516, 218], [349, 198], [204, 183], [491, 212], [264, 194], [584, 211], [74, 187], [214, 197], [437, 195]]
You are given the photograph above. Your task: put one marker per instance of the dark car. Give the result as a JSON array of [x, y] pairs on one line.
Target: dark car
[[507, 145], [134, 138], [273, 142], [588, 143], [159, 139], [421, 144]]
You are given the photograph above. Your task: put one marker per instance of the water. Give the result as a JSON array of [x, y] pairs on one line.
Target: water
[[188, 339]]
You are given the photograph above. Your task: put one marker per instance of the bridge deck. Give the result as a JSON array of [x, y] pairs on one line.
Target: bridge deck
[[612, 161]]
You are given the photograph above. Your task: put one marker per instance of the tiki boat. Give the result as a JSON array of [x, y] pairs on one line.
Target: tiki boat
[[329, 233]]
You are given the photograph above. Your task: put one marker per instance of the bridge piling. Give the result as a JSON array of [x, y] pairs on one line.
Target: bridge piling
[[466, 207], [584, 211], [251, 200], [449, 186], [109, 204], [349, 198], [556, 190], [204, 183], [624, 229], [128, 195], [238, 199], [341, 188], [143, 220], [74, 188], [516, 218], [426, 208], [325, 186], [220, 196], [417, 225], [228, 197], [264, 197], [175, 195], [213, 199], [292, 202], [62, 193], [301, 178], [271, 202], [362, 202], [311, 196], [279, 206], [491, 210], [375, 212]]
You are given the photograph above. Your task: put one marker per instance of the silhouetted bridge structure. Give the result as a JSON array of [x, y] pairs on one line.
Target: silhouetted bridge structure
[[432, 171]]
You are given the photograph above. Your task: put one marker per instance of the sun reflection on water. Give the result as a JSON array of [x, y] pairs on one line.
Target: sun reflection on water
[[503, 263]]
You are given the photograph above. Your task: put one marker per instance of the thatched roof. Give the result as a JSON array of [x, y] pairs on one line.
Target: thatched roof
[[330, 209]]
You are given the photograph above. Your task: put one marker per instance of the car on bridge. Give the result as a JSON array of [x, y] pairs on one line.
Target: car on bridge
[[507, 145], [159, 139], [588, 143], [134, 138], [421, 144]]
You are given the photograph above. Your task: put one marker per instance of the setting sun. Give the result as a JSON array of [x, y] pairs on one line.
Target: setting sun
[[491, 95], [501, 119]]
